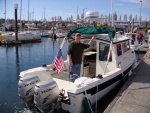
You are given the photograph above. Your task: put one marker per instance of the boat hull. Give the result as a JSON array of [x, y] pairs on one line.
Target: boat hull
[[100, 89]]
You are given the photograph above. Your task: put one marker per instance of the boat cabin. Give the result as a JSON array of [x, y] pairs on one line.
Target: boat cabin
[[103, 56]]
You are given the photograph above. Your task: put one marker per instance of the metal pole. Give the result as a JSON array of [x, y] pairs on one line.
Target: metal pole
[[83, 13], [128, 26], [112, 13], [5, 15], [77, 14], [20, 14], [140, 11], [16, 28], [44, 14], [28, 13], [33, 15], [132, 25]]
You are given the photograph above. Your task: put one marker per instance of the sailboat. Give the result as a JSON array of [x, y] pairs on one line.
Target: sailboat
[[23, 35], [106, 64]]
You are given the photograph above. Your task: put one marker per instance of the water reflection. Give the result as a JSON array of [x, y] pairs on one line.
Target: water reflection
[[17, 63]]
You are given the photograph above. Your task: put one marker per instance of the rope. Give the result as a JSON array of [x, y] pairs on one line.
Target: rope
[[96, 99], [87, 97], [88, 101]]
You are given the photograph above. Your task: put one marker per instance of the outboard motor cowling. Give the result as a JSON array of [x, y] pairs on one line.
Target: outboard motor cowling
[[26, 88], [46, 92]]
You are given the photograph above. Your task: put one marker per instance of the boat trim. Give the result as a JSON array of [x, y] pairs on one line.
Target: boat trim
[[102, 86]]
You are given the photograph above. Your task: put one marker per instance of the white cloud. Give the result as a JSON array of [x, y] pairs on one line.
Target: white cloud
[[145, 3]]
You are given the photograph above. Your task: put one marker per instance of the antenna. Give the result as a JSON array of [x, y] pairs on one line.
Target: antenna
[[112, 13]]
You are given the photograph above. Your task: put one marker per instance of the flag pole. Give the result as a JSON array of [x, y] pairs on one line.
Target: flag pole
[[61, 45]]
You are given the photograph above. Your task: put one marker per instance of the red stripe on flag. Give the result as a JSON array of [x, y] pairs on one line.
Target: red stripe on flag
[[58, 64]]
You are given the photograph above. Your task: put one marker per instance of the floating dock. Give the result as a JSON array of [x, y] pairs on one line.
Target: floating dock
[[13, 42], [134, 97]]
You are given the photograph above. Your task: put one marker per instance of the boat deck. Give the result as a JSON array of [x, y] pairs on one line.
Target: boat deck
[[63, 75]]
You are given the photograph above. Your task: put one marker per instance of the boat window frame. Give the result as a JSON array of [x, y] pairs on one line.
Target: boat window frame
[[119, 49], [105, 50], [126, 47]]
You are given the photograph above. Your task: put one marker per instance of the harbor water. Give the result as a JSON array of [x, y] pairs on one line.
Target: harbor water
[[14, 59]]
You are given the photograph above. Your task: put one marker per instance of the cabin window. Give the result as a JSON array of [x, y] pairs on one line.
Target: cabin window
[[125, 46], [119, 50], [103, 52], [92, 46]]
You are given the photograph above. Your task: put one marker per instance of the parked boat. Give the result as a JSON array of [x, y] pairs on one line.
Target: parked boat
[[107, 63], [22, 37], [44, 35], [134, 43], [61, 33], [2, 37]]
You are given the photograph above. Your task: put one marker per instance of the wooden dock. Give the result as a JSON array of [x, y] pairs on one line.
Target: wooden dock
[[134, 97], [13, 42]]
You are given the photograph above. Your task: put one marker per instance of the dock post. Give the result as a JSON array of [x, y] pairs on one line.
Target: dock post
[[16, 27], [132, 25]]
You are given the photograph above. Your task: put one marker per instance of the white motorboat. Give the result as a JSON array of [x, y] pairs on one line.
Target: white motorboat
[[107, 63], [134, 44], [26, 35], [61, 33]]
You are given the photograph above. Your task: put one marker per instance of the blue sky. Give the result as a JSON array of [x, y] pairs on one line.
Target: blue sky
[[66, 8]]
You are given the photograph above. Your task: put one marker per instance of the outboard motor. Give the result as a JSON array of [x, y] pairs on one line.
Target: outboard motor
[[26, 88], [46, 94]]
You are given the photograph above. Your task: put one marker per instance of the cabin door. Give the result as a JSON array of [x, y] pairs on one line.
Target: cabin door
[[89, 61]]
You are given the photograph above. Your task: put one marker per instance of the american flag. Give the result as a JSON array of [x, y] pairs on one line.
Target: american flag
[[59, 62]]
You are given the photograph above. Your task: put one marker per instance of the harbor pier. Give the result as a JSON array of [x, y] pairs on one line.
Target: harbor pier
[[134, 97]]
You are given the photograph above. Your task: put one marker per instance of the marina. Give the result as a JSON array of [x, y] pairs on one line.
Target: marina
[[19, 58], [68, 60]]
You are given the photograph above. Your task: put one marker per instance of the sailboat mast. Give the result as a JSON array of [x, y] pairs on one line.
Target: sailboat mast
[[112, 13], [77, 14], [33, 15], [44, 14], [28, 12], [5, 14]]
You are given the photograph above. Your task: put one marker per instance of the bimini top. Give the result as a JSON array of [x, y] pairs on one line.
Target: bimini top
[[93, 30]]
